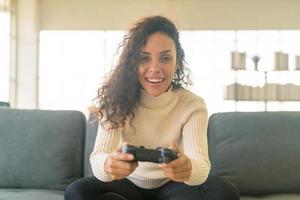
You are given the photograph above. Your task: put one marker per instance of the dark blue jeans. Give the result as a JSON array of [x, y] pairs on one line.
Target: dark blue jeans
[[90, 188]]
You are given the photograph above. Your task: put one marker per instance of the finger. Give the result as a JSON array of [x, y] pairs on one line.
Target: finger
[[180, 161], [113, 177], [174, 146], [178, 169], [122, 156], [179, 174], [182, 176], [120, 146], [122, 164], [117, 173]]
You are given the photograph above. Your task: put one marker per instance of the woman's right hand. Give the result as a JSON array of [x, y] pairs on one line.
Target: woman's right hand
[[119, 165]]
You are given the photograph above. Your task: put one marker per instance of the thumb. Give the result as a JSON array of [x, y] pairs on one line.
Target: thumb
[[174, 147], [119, 147]]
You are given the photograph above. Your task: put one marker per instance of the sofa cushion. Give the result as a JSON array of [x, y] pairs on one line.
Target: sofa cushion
[[258, 151], [31, 194], [272, 197], [40, 149]]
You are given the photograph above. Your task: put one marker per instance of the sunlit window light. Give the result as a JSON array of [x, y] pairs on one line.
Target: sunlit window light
[[73, 64]]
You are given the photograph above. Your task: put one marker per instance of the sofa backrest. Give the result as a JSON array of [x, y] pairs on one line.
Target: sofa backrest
[[258, 151], [40, 149]]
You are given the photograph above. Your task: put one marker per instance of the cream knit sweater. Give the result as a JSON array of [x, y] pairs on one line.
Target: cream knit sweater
[[175, 116]]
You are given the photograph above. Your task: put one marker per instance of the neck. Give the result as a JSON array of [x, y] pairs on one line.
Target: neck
[[156, 101]]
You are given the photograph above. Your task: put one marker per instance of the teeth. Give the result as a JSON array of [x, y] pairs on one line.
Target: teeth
[[155, 80]]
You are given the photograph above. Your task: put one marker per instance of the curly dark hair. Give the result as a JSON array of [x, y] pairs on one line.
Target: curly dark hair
[[120, 94]]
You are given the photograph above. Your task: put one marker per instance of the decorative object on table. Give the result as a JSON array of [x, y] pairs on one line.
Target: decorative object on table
[[256, 59], [297, 62], [269, 91], [238, 60], [281, 61]]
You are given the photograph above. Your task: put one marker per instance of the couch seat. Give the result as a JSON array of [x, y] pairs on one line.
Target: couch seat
[[31, 194], [273, 197]]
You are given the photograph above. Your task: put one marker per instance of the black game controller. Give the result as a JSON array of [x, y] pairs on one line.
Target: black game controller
[[158, 155]]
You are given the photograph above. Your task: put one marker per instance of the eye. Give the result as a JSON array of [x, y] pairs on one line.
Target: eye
[[144, 59], [166, 58]]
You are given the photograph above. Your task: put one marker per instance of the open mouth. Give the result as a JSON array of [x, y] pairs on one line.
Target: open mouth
[[155, 80]]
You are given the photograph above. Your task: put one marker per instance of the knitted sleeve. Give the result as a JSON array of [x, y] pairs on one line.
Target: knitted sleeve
[[194, 135], [106, 142]]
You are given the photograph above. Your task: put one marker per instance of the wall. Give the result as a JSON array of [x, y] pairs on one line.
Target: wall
[[189, 14], [24, 93]]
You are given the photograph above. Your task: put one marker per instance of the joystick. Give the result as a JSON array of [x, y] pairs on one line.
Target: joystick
[[158, 155]]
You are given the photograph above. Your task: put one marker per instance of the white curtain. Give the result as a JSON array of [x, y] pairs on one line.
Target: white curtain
[[5, 13]]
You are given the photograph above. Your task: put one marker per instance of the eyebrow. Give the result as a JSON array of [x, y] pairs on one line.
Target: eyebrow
[[147, 53]]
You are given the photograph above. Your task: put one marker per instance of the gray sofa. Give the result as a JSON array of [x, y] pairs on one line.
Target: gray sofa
[[258, 151], [41, 152]]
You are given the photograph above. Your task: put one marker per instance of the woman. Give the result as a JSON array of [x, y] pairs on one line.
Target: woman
[[143, 102]]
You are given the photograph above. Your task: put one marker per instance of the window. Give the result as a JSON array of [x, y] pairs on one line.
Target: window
[[208, 57], [73, 63]]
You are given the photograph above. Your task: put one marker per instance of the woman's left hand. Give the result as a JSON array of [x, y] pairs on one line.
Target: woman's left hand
[[178, 170]]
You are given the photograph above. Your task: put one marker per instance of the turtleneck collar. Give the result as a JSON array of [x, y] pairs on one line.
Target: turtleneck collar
[[162, 100]]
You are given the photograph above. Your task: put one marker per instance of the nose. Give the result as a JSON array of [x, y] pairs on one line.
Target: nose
[[154, 66]]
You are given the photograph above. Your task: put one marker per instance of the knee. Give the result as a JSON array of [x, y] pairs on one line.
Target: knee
[[222, 189], [75, 190], [230, 191]]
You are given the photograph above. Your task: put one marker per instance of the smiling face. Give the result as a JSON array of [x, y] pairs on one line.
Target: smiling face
[[157, 64]]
